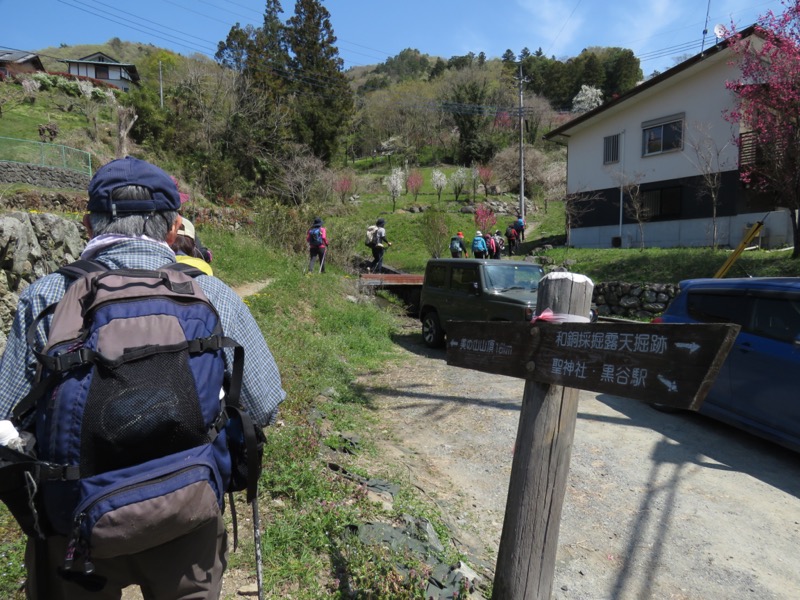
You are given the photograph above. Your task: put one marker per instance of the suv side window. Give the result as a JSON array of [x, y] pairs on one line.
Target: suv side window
[[719, 308], [464, 277], [777, 318], [436, 276]]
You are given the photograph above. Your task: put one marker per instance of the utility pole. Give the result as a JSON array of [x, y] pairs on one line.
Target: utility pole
[[521, 148], [160, 85]]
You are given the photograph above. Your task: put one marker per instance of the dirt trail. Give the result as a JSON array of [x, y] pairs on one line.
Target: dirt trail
[[657, 506]]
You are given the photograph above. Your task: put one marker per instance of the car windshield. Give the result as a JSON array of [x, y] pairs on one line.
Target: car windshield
[[507, 276]]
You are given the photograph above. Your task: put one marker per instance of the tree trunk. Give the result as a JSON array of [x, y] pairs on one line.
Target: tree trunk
[[126, 117], [793, 214]]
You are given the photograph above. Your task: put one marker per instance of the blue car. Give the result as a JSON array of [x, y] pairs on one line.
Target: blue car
[[757, 388]]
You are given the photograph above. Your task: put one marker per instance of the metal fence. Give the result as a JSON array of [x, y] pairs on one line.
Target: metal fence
[[45, 155]]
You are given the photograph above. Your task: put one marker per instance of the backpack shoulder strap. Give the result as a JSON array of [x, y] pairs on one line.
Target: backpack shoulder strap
[[185, 268], [72, 271], [82, 267]]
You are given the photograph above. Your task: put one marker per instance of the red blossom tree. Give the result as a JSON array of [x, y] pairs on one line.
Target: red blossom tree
[[767, 108], [485, 174], [344, 186], [485, 218], [414, 183]]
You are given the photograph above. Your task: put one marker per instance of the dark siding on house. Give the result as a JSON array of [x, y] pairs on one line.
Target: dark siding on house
[[688, 192]]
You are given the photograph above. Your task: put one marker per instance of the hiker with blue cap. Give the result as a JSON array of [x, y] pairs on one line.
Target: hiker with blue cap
[[132, 220]]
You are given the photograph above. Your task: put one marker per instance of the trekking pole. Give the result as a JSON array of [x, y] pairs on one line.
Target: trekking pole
[[322, 260], [257, 542]]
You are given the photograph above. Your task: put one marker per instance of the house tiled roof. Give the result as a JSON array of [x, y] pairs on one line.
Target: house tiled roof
[[679, 68], [19, 56]]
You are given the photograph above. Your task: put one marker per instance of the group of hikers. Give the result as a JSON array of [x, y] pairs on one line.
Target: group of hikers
[[488, 244], [317, 240], [484, 245]]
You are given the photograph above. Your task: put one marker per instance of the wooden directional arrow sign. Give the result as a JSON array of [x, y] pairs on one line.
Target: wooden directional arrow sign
[[670, 364]]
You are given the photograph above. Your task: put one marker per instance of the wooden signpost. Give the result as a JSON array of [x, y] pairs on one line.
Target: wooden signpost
[[673, 365]]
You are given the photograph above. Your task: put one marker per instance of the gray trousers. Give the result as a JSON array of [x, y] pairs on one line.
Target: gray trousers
[[187, 568]]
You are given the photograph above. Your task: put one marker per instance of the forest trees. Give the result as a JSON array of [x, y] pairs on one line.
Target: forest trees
[[323, 100], [768, 108]]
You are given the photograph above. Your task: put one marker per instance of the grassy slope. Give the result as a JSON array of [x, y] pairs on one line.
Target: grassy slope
[[633, 265]]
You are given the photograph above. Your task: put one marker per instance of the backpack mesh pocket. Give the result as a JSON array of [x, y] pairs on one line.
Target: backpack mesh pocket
[[139, 411]]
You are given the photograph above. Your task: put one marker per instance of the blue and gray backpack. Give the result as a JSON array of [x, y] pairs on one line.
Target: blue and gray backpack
[[133, 415], [315, 237]]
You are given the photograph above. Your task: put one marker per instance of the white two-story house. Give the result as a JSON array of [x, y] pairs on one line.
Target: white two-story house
[[658, 140]]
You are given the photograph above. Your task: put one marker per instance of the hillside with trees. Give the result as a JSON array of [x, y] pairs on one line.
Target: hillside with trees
[[282, 104]]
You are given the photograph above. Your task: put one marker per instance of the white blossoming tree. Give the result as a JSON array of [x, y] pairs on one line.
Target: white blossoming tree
[[588, 98], [458, 180], [439, 181], [395, 183]]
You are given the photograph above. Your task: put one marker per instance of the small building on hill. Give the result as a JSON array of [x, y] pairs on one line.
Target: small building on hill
[[647, 141], [13, 62], [104, 68]]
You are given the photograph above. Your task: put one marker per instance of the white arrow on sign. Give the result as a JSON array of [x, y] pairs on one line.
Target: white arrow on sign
[[693, 347], [454, 342], [670, 385]]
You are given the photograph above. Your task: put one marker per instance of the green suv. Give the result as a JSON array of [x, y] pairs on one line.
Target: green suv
[[463, 289]]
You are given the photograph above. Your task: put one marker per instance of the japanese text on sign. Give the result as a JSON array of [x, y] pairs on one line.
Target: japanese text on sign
[[631, 342]]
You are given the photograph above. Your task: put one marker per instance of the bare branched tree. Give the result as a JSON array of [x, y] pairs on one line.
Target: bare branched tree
[[302, 174], [633, 199], [708, 158], [575, 206]]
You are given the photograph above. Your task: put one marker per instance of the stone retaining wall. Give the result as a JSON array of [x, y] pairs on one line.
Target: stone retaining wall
[[633, 300], [32, 245], [50, 177]]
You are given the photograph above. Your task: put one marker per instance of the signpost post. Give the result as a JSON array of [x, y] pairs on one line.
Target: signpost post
[[674, 365]]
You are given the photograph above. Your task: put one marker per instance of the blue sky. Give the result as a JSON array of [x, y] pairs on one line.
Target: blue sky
[[369, 31]]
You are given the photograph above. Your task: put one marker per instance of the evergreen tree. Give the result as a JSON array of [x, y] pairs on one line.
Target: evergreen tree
[[256, 130], [323, 99], [593, 73], [439, 67], [622, 72]]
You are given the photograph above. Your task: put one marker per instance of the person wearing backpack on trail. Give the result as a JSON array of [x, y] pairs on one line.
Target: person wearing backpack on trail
[[519, 227], [491, 247], [379, 246], [511, 236], [132, 220], [457, 246], [317, 239], [500, 244], [479, 249]]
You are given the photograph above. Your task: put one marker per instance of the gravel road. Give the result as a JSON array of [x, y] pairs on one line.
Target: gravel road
[[662, 506]]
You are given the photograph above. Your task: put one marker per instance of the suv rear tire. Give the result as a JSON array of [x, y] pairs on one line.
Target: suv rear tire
[[432, 333]]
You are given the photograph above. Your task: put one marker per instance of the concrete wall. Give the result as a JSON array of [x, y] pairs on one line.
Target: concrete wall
[[687, 233]]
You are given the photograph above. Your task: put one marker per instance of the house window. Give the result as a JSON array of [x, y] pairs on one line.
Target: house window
[[665, 202], [101, 72], [662, 135], [611, 149]]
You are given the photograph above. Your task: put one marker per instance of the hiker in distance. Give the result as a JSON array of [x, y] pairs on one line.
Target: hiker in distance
[[317, 239], [458, 248], [479, 248], [132, 220], [379, 244]]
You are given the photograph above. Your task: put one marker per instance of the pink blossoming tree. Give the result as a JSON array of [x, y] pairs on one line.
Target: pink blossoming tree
[[414, 183], [767, 107]]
